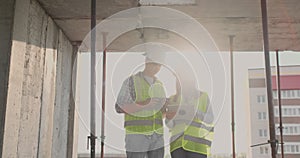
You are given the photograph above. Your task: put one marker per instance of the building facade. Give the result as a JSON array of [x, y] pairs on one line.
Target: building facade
[[259, 119]]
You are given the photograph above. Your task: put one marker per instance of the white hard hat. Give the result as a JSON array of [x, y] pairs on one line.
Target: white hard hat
[[156, 57]]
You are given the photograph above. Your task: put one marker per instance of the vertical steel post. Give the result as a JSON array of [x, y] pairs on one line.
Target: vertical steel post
[[268, 78], [232, 95], [103, 95], [93, 80], [279, 104]]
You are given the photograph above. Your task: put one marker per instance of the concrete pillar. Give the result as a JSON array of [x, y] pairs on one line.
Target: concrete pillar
[[62, 101], [32, 89], [15, 78], [72, 143], [48, 93], [6, 21], [36, 110]]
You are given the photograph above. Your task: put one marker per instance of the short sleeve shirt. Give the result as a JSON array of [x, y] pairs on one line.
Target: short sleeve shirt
[[127, 92]]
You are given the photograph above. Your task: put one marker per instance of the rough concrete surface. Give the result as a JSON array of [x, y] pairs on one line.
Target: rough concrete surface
[[14, 91], [74, 100], [6, 19], [241, 18], [32, 82], [48, 94], [62, 101], [39, 84]]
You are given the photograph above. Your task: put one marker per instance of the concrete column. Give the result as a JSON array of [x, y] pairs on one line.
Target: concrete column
[[48, 91], [15, 79], [36, 110], [6, 21], [32, 90], [74, 101], [62, 101]]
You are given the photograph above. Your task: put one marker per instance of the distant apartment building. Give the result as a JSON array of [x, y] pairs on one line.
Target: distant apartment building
[[290, 99]]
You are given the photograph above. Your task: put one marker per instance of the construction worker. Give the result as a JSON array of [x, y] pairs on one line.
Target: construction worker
[[190, 119], [141, 99]]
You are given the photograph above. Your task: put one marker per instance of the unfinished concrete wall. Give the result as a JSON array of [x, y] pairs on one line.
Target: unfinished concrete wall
[[62, 101], [38, 108], [73, 127], [48, 93], [32, 88], [6, 21], [15, 80]]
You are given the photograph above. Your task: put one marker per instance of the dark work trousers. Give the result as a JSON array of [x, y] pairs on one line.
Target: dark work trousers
[[181, 153]]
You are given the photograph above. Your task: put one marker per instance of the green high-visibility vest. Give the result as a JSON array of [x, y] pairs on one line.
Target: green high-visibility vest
[[194, 135], [145, 122]]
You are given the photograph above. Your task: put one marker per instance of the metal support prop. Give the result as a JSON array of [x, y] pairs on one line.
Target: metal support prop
[[232, 95], [272, 140], [92, 136], [279, 104], [103, 95]]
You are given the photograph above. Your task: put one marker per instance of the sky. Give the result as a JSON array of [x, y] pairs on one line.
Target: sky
[[118, 67]]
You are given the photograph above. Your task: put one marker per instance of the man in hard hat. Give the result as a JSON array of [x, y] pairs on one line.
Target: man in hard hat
[[141, 99], [190, 119]]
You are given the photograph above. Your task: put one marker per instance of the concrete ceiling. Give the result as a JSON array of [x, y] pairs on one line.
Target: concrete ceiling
[[241, 18]]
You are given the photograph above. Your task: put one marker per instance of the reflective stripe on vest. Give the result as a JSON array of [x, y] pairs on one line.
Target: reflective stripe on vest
[[142, 122], [152, 121], [196, 124], [197, 140], [201, 125]]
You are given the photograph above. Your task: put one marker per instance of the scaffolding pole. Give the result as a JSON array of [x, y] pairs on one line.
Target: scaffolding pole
[[232, 95], [279, 104], [92, 136], [272, 140], [103, 95]]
